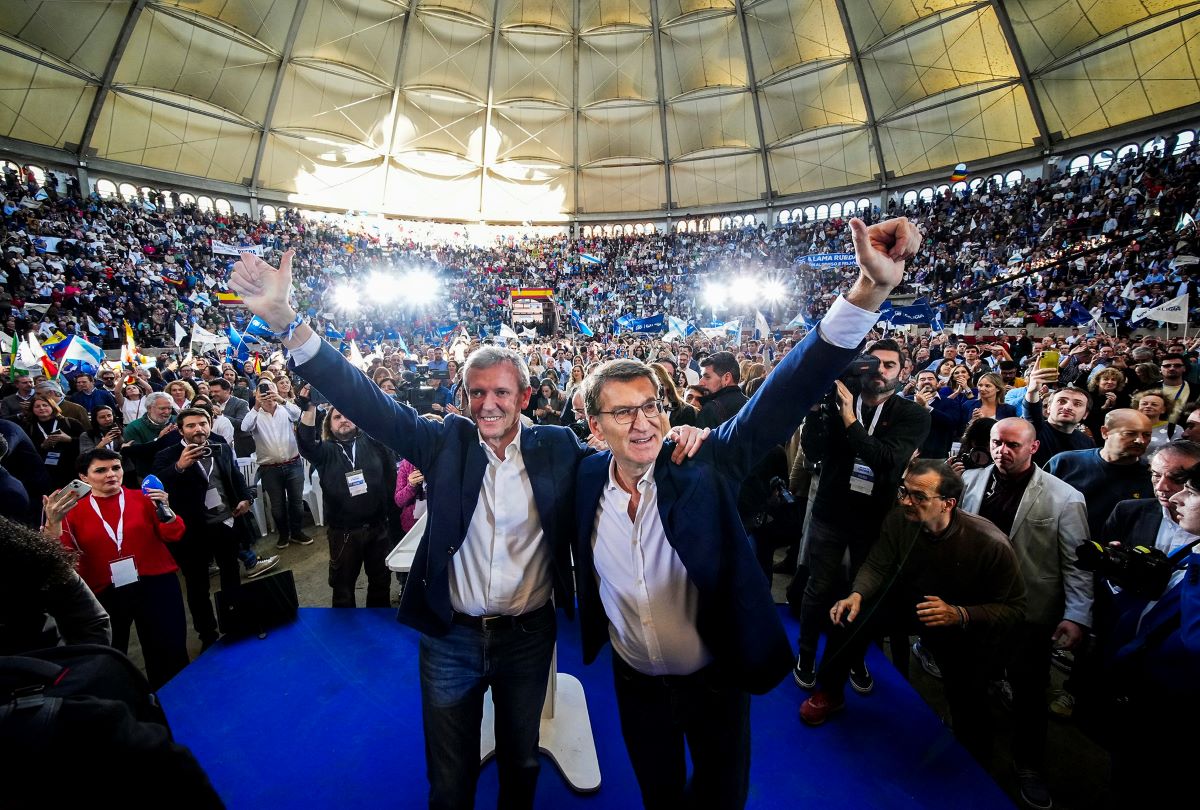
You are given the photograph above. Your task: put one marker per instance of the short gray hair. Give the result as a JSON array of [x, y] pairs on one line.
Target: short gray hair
[[157, 397], [489, 356], [619, 370]]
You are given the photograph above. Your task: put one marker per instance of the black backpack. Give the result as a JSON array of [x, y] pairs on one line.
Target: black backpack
[[80, 723]]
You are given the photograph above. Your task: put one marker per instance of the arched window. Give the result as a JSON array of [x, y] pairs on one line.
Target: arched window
[[223, 207], [835, 211], [8, 165], [909, 198], [145, 192], [975, 184], [1154, 146], [822, 211], [681, 227], [959, 187], [692, 227], [998, 179], [942, 189], [268, 214], [1102, 159], [651, 229], [204, 203], [1014, 177], [723, 224], [864, 205], [849, 208], [628, 229], [639, 229], [1183, 141], [785, 216], [39, 174], [128, 192], [167, 201], [1080, 163], [1129, 149], [738, 221], [106, 188], [926, 194], [810, 214], [606, 231], [749, 220]]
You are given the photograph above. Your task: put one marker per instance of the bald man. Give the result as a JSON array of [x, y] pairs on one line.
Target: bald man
[[1115, 471], [1045, 520]]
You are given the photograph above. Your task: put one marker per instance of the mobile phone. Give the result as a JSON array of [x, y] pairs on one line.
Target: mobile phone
[[263, 388], [80, 487], [1049, 360]]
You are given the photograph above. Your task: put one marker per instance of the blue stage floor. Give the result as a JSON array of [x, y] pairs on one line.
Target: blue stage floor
[[326, 713]]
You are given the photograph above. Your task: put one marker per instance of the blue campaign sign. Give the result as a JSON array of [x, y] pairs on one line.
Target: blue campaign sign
[[827, 259]]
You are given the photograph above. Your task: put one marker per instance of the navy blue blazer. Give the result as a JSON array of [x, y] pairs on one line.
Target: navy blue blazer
[[453, 461], [697, 502]]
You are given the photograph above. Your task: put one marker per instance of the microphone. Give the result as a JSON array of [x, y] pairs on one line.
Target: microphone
[[165, 515]]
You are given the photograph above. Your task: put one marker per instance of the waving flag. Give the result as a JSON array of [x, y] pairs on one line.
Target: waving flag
[[81, 357], [257, 328], [959, 174], [581, 327], [333, 334], [228, 299], [589, 258], [56, 344], [36, 356], [1173, 311], [237, 345], [918, 312], [761, 330]]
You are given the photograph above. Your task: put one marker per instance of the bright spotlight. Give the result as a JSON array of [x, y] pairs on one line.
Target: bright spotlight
[[715, 296], [383, 288], [773, 291], [419, 287], [743, 291], [346, 298]]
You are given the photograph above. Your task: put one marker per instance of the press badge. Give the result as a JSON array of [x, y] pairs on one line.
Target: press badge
[[52, 458], [356, 483], [862, 478], [124, 572]]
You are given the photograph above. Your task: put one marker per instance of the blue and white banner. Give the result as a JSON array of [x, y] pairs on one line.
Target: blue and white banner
[[81, 357], [588, 258], [827, 259], [581, 327], [655, 324], [226, 249]]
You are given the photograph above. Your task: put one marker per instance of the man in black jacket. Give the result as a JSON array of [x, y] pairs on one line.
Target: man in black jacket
[[207, 490], [358, 482], [724, 399], [863, 448]]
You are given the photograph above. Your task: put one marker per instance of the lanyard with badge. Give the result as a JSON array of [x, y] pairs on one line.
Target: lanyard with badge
[[862, 477], [123, 569], [356, 482], [53, 456]]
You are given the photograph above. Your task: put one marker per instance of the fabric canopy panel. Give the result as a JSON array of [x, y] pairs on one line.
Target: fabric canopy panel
[[541, 109]]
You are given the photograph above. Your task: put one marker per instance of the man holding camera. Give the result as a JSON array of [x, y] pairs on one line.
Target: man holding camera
[[862, 444], [1057, 430], [279, 465]]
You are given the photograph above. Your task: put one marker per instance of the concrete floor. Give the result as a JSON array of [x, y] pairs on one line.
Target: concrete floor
[[1077, 768]]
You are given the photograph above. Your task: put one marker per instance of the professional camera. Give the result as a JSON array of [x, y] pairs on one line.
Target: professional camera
[[1139, 569], [861, 369], [581, 429]]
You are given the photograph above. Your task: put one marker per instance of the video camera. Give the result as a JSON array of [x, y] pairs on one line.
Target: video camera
[[1141, 570], [861, 368]]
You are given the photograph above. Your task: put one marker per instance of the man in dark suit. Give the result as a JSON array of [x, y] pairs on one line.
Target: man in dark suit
[[208, 491], [235, 410], [665, 570], [1151, 646], [495, 551]]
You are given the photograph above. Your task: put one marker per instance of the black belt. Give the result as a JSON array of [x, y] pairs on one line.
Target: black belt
[[501, 622], [377, 524]]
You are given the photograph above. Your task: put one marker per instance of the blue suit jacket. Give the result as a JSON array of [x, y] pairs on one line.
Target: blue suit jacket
[[697, 502], [450, 456]]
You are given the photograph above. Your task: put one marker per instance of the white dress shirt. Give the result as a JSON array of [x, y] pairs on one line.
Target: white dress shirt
[[503, 564], [274, 438], [650, 600]]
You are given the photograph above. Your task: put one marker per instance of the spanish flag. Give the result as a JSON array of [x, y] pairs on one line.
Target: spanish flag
[[257, 364], [129, 355], [228, 299], [959, 174]]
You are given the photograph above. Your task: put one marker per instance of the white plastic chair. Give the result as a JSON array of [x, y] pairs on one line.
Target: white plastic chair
[[314, 498]]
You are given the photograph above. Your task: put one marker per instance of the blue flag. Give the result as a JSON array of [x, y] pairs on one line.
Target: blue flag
[[237, 345], [919, 312], [258, 328], [581, 327], [333, 334]]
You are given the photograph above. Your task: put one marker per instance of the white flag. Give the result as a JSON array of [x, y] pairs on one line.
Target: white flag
[[1173, 311], [92, 326], [1128, 291], [356, 358], [760, 326], [507, 332], [180, 334]]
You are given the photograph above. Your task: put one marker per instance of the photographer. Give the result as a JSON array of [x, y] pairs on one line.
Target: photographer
[[1152, 645], [862, 445]]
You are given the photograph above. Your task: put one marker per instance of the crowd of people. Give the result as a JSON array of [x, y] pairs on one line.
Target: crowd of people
[[957, 495]]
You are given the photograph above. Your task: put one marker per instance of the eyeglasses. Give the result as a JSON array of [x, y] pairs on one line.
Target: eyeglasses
[[903, 493], [627, 416]]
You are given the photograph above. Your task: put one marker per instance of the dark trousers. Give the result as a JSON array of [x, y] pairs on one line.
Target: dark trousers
[[827, 576], [456, 669], [284, 485], [154, 604], [351, 550], [965, 658], [1029, 675], [192, 553], [659, 714]]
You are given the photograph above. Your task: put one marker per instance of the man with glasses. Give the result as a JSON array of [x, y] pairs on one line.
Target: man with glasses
[[1177, 390], [1045, 520], [665, 571], [948, 576]]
